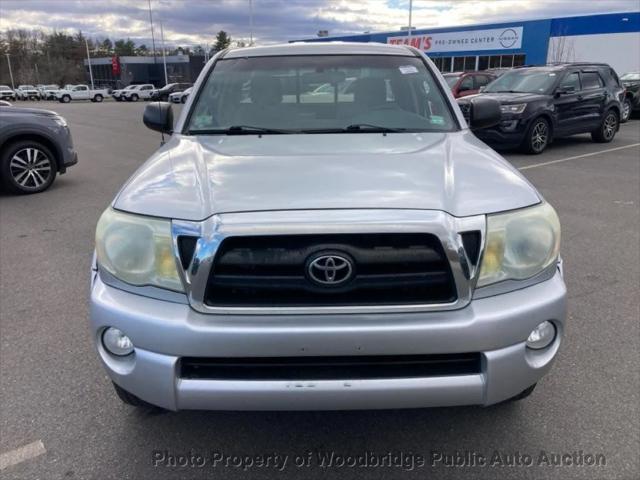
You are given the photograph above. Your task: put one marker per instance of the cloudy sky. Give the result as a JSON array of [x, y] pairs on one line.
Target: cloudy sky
[[191, 22]]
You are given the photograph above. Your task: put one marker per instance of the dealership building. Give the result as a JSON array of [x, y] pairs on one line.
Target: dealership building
[[118, 72], [611, 38]]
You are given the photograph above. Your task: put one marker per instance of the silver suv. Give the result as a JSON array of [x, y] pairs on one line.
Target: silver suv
[[295, 247]]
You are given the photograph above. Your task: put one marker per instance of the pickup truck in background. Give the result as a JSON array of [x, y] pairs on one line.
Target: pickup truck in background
[[81, 92]]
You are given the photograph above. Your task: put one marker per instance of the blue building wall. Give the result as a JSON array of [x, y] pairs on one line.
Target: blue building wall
[[535, 36], [596, 24]]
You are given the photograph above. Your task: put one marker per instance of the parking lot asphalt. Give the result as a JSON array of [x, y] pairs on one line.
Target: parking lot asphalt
[[60, 418]]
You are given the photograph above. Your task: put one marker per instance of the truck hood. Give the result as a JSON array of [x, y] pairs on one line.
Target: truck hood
[[192, 178], [31, 111]]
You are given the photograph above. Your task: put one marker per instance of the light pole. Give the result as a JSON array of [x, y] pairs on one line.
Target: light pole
[[153, 38], [86, 44], [410, 11], [164, 58], [13, 87], [251, 23]]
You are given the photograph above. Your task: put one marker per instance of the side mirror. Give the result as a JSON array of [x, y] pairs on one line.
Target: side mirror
[[483, 112], [565, 90], [158, 116]]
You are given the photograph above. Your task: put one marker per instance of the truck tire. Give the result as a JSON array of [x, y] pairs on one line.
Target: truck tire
[[523, 394], [131, 399], [134, 98], [27, 167], [607, 129], [537, 136], [65, 99], [98, 98]]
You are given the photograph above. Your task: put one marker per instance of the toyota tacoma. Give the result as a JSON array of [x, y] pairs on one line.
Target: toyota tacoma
[[290, 251]]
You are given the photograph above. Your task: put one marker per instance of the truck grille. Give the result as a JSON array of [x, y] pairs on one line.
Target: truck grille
[[351, 269], [330, 368]]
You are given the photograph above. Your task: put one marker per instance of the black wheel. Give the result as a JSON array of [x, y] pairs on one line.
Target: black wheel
[[607, 129], [65, 99], [537, 137], [523, 394], [27, 167], [131, 399], [134, 98], [97, 98], [626, 110]]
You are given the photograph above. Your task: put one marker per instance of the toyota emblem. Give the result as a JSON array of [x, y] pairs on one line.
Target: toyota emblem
[[330, 269]]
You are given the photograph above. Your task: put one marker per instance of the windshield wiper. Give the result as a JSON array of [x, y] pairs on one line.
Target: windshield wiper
[[241, 130], [357, 127], [503, 91]]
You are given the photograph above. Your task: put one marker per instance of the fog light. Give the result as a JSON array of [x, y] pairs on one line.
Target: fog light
[[116, 342], [542, 335]]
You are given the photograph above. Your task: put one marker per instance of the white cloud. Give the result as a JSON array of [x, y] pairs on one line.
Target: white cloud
[[196, 21]]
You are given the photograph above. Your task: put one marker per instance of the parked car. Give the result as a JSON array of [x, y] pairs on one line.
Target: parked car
[[467, 83], [138, 92], [81, 92], [117, 94], [370, 253], [27, 92], [631, 103], [48, 92], [6, 93], [180, 97], [35, 145], [163, 93], [542, 103]]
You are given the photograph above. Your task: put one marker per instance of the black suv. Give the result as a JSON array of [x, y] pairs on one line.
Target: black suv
[[168, 89], [540, 103]]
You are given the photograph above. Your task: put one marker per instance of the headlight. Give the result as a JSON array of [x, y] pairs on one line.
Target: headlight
[[137, 250], [520, 244], [517, 108]]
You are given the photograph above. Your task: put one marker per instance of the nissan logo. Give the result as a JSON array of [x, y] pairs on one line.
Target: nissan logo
[[508, 38], [330, 269]]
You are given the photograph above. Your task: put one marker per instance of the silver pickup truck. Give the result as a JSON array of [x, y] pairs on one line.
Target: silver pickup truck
[[295, 247]]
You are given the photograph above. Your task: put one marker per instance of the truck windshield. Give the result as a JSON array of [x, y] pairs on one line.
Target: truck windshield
[[524, 81], [320, 94]]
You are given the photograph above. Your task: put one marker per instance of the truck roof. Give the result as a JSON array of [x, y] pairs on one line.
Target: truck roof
[[321, 48]]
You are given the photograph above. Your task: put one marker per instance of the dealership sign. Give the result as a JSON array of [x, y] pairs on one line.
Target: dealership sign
[[469, 40], [115, 65]]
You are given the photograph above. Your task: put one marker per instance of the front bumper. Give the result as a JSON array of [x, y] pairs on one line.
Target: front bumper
[[164, 331], [510, 133]]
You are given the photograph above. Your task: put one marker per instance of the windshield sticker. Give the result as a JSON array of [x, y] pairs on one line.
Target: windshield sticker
[[436, 119], [405, 69]]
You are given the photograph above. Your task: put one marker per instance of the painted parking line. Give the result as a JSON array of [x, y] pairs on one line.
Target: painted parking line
[[560, 160], [21, 454]]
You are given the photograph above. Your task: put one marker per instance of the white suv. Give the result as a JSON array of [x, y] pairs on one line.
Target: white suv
[[138, 92]]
